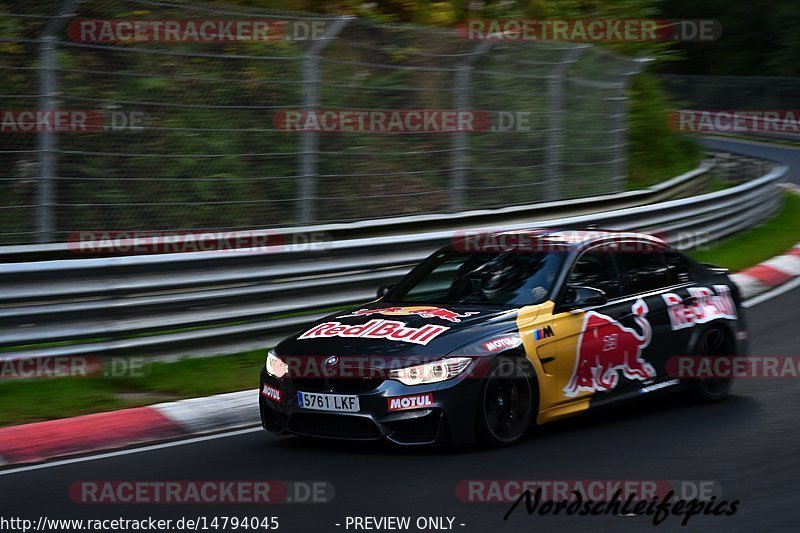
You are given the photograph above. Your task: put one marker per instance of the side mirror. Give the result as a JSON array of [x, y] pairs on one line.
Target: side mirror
[[383, 290], [579, 296]]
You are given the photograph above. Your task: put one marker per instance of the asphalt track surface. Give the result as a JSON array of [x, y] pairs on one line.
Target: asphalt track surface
[[783, 153], [748, 444]]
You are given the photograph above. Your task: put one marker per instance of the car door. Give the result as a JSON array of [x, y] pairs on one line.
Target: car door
[[595, 349], [645, 278]]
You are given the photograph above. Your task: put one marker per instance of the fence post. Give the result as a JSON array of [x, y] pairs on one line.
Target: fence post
[[309, 141], [621, 127], [619, 132], [462, 95], [555, 124], [46, 142]]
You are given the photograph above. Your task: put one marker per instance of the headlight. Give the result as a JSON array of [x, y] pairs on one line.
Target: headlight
[[432, 372], [275, 365]]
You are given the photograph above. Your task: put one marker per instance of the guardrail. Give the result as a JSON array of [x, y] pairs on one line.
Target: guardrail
[[203, 303], [692, 182]]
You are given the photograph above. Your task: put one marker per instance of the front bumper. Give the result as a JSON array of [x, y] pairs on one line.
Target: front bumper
[[450, 417]]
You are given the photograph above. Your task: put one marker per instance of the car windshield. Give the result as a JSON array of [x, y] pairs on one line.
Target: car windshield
[[500, 278]]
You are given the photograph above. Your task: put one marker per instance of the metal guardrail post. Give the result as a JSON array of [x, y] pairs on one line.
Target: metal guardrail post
[[307, 185], [462, 95], [555, 124], [46, 141]]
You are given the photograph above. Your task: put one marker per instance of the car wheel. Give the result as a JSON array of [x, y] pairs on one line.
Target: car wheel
[[713, 343], [506, 410]]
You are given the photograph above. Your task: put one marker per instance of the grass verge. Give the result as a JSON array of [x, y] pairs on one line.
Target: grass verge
[[746, 249], [46, 399], [31, 401]]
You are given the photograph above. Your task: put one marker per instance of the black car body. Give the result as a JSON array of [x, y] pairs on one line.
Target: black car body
[[486, 339]]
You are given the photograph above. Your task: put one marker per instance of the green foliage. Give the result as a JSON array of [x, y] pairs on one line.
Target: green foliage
[[656, 152], [758, 38]]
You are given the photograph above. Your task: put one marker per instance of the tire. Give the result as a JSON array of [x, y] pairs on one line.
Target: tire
[[713, 342], [508, 403]]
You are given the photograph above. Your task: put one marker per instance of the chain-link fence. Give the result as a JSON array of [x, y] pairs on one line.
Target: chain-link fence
[[195, 134]]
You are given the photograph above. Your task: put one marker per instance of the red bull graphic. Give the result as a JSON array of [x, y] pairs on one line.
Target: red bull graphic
[[605, 347], [422, 311], [391, 330], [703, 306]]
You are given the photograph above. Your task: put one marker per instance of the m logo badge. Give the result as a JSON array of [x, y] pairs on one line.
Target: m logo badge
[[542, 333]]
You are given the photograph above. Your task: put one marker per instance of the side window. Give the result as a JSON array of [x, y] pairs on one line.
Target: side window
[[678, 268], [596, 269], [643, 271]]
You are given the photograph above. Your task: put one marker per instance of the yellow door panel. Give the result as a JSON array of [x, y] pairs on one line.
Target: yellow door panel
[[551, 346]]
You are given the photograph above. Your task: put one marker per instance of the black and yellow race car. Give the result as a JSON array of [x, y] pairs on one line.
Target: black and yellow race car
[[498, 333]]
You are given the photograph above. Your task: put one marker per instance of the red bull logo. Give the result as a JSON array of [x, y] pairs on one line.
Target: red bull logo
[[423, 311], [391, 330], [606, 347], [703, 306]]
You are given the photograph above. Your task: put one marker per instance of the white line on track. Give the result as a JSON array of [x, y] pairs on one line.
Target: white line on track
[[130, 451], [786, 287]]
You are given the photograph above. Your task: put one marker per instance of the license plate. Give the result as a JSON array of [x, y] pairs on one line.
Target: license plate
[[328, 402]]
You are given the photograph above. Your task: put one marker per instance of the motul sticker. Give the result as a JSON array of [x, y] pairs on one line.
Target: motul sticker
[[422, 311], [271, 393], [502, 342], [606, 347], [392, 330], [705, 306], [410, 402]]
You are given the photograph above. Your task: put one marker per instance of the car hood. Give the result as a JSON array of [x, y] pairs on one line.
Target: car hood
[[399, 330]]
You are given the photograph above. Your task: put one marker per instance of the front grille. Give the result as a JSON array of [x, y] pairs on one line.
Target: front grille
[[341, 385], [341, 426]]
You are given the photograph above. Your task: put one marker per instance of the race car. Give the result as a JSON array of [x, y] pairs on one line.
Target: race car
[[498, 333]]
